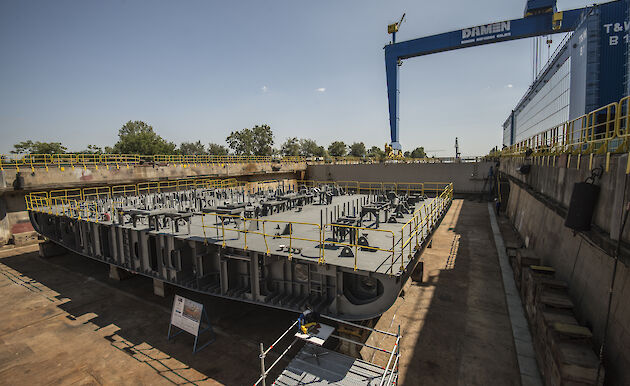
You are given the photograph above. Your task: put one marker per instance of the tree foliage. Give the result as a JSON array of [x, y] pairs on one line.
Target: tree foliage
[[92, 149], [376, 152], [418, 153], [310, 148], [290, 148], [139, 138], [357, 149], [256, 141], [337, 149], [241, 142], [38, 147], [192, 148], [216, 149]]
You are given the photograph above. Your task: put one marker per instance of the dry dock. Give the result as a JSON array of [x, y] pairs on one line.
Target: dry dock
[[65, 322]]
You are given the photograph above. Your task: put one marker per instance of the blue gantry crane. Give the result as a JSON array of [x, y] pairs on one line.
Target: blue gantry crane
[[540, 18]]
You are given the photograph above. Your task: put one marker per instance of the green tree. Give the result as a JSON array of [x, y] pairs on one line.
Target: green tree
[[407, 154], [38, 147], [192, 148], [139, 138], [337, 149], [256, 141], [310, 148], [376, 152], [357, 149], [291, 147], [216, 149], [93, 149], [263, 140], [22, 147], [418, 153], [241, 142]]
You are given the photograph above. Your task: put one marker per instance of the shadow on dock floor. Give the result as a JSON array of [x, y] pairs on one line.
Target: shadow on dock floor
[[72, 323], [455, 324]]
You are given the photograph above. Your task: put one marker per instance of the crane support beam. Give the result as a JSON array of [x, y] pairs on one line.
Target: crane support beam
[[537, 25]]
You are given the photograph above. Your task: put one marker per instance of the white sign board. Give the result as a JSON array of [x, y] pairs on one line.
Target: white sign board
[[186, 314]]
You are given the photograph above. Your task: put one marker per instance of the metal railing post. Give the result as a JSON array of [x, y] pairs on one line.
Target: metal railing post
[[245, 231], [263, 374], [321, 244], [265, 237], [290, 241], [203, 228], [393, 253]]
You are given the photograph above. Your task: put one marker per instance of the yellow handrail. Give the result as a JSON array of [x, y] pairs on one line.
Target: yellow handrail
[[603, 130], [355, 244], [220, 218], [83, 204], [15, 161]]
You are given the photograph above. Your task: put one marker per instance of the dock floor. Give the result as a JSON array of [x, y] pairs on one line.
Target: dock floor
[[64, 322], [455, 324]]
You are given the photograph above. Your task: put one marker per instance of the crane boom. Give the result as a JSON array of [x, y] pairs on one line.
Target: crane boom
[[538, 22]]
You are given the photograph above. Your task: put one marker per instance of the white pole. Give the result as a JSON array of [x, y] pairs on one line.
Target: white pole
[[262, 365]]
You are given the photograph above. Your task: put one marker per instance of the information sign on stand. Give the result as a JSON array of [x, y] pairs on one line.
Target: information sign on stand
[[187, 316]]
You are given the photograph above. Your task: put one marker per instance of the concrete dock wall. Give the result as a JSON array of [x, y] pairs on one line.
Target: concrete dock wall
[[13, 216], [56, 178], [555, 183], [466, 177], [537, 207], [587, 270]]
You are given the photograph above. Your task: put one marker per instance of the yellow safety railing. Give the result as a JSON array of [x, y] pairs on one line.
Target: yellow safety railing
[[422, 188], [73, 160], [423, 221], [81, 210], [83, 204], [76, 193], [362, 187], [124, 190], [270, 185], [622, 130], [346, 185], [220, 227], [222, 159], [61, 161], [37, 200], [354, 244], [601, 131], [246, 223], [101, 192]]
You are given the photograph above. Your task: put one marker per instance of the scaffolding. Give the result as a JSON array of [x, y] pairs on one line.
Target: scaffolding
[[331, 367]]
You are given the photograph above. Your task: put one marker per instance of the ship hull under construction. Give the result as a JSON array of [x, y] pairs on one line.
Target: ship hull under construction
[[335, 253]]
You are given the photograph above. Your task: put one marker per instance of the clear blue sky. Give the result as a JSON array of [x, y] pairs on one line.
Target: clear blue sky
[[76, 71]]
